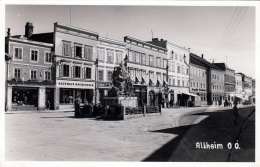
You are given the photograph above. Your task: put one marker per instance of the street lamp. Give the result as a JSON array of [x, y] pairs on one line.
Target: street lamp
[[96, 73]]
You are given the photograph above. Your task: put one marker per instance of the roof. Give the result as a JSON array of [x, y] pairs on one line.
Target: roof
[[129, 38], [195, 59], [41, 37]]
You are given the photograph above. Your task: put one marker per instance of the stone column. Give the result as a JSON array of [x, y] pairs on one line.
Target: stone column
[[9, 98], [42, 98], [57, 98]]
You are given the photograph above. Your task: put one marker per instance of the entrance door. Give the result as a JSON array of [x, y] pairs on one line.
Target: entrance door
[[50, 98]]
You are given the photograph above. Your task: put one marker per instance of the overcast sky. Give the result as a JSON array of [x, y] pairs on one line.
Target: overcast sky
[[225, 34]]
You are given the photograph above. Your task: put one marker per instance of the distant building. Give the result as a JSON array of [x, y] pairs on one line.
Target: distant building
[[177, 72], [199, 71], [30, 72], [229, 81], [216, 85], [239, 86]]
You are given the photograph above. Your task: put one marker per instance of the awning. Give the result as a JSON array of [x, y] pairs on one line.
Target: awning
[[190, 94]]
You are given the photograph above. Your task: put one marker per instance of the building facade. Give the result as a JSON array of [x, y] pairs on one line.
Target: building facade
[[199, 77], [147, 65], [29, 67], [75, 53], [247, 87], [110, 53], [239, 86], [216, 86]]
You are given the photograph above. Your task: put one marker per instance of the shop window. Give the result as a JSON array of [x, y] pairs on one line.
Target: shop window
[[17, 73], [18, 53], [34, 55], [66, 96], [33, 74]]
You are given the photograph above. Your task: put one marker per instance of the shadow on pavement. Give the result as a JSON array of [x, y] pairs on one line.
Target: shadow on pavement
[[217, 128]]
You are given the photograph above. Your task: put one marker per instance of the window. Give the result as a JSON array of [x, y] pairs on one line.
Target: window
[[173, 81], [137, 58], [187, 71], [178, 69], [66, 49], [33, 74], [109, 75], [77, 71], [78, 51], [17, 73], [151, 60], [119, 57], [18, 53], [66, 70], [182, 83], [158, 62], [88, 52], [48, 57], [100, 75], [47, 75], [101, 54], [147, 60], [110, 56], [34, 55], [164, 63], [179, 83], [143, 58], [87, 73]]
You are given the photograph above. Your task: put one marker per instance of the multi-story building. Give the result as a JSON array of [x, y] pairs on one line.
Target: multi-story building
[[239, 86], [247, 87], [199, 77], [177, 72], [110, 53], [75, 53], [216, 85], [30, 80], [229, 81], [147, 65]]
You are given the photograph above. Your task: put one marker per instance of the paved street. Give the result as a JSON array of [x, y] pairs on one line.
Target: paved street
[[167, 137]]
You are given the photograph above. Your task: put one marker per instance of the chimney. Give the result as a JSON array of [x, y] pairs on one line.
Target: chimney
[[28, 30], [202, 56], [8, 32]]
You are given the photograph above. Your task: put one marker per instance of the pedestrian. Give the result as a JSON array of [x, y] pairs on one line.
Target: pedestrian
[[77, 107], [235, 113]]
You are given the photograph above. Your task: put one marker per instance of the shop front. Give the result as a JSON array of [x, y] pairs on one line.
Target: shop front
[[68, 91]]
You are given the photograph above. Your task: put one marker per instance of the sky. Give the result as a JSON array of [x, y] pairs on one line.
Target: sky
[[222, 33]]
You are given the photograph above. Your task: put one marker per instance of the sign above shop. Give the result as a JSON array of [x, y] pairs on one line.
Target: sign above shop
[[75, 84]]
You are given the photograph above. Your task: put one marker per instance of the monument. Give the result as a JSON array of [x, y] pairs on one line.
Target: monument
[[121, 94]]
